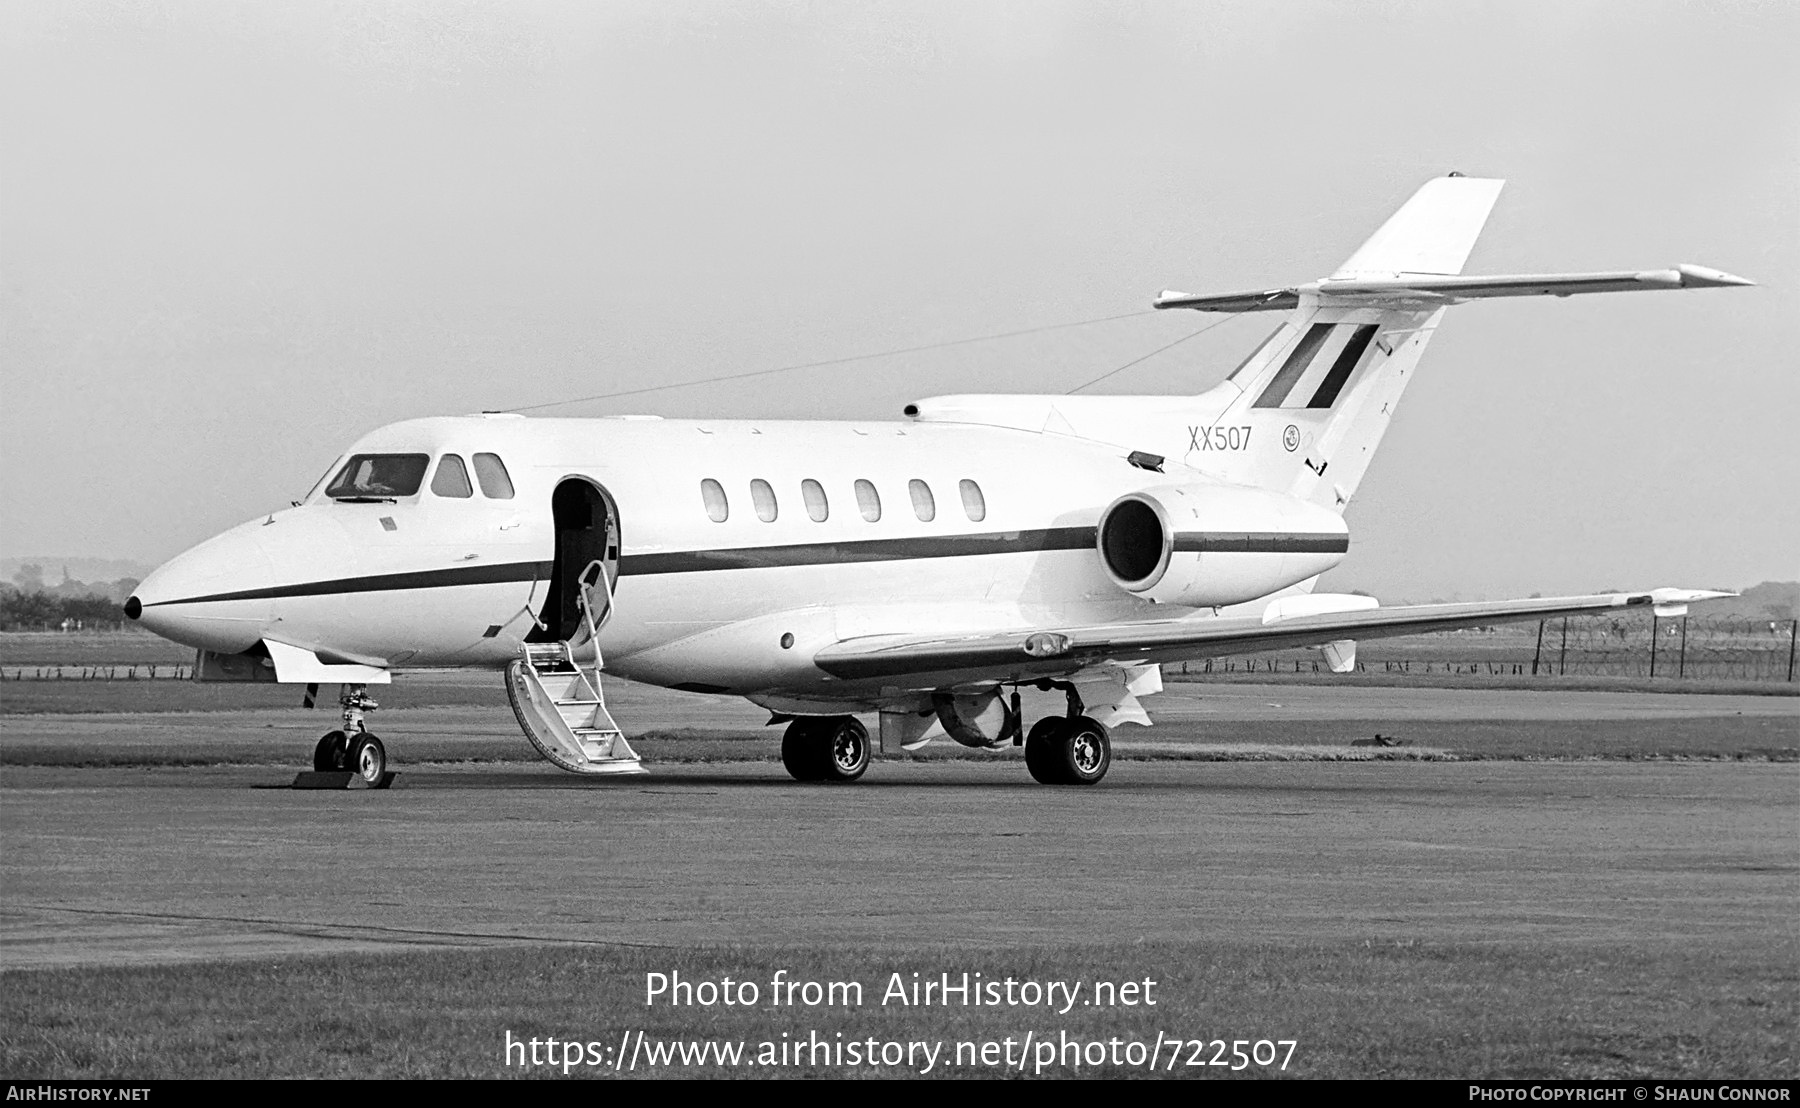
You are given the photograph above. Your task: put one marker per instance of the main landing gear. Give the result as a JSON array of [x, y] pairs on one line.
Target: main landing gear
[[825, 748], [1072, 749], [1068, 751], [353, 748]]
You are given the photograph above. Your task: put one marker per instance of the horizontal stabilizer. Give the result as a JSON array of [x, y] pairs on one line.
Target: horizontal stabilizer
[[1434, 290]]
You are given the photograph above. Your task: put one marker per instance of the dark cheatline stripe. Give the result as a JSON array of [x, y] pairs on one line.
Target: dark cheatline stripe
[[868, 550], [386, 582], [1304, 350], [1340, 369], [801, 554], [1260, 542]]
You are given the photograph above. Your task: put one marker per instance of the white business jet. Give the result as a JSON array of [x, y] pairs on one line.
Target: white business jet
[[925, 570]]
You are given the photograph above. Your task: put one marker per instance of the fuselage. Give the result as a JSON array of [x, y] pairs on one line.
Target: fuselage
[[740, 547]]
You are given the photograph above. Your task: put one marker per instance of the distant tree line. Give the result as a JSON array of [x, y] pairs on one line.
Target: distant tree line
[[28, 604], [37, 611]]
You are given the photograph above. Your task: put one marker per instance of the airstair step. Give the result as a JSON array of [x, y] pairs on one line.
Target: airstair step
[[562, 709]]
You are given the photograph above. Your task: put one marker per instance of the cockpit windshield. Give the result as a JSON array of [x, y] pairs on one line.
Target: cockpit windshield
[[379, 477]]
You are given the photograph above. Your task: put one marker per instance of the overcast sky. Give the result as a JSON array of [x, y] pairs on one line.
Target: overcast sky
[[234, 237]]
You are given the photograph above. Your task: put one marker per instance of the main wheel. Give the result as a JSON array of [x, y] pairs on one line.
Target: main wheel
[[830, 748], [368, 759], [333, 753], [799, 749], [1062, 751], [1089, 752], [1041, 745], [845, 749]]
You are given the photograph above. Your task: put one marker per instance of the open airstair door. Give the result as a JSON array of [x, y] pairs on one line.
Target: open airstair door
[[554, 684], [587, 532]]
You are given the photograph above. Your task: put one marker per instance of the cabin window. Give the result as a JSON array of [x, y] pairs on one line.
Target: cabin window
[[490, 471], [974, 504], [923, 505], [868, 501], [817, 507], [763, 497], [713, 495], [367, 476], [452, 478]]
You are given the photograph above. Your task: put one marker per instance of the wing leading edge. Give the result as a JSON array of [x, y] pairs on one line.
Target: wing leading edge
[[1059, 651]]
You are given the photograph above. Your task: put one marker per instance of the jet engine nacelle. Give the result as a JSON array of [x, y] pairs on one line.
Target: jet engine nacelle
[[1204, 545]]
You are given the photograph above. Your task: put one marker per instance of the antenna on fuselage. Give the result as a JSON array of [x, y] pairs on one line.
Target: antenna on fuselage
[[833, 361]]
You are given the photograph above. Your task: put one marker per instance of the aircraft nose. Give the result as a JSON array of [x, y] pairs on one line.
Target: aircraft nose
[[212, 597]]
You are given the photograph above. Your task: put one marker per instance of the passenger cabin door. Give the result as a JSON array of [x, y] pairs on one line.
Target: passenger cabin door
[[586, 564]]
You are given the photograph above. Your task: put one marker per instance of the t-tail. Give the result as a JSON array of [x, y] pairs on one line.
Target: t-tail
[[1325, 385]]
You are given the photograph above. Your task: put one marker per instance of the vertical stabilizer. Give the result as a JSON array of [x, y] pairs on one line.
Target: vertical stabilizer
[[1432, 233], [1316, 398]]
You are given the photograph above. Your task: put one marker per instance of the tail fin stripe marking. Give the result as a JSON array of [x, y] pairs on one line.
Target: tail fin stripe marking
[[1342, 368], [1255, 356], [1296, 364]]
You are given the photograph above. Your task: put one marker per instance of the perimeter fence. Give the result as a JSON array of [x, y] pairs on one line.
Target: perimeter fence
[[1704, 647], [142, 671]]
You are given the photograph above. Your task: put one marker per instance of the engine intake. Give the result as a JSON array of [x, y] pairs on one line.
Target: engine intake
[[1203, 545]]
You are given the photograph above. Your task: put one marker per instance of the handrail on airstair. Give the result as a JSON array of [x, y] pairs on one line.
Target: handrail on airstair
[[569, 724]]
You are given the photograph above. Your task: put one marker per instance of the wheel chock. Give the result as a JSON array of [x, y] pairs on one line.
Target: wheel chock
[[340, 779]]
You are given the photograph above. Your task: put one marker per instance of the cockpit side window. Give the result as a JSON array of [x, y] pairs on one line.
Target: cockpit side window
[[320, 483], [496, 484], [379, 476], [452, 479]]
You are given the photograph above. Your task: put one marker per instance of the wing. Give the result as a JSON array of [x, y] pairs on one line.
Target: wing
[[1029, 654]]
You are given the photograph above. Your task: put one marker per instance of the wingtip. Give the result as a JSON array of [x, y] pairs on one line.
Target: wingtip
[[1699, 276], [1687, 596]]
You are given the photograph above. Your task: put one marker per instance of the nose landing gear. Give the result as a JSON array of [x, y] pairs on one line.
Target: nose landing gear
[[353, 748]]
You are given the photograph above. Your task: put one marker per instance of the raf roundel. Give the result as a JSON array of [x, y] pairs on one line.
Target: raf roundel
[[1290, 438]]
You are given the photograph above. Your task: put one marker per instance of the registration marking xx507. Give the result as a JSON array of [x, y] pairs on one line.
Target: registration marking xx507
[[1219, 437]]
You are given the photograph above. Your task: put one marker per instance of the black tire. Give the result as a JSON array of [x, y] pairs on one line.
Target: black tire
[[368, 759], [1087, 752], [1062, 751], [843, 750], [1041, 746], [332, 754], [800, 749]]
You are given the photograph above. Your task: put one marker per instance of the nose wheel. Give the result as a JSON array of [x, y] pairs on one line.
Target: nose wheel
[[368, 759], [332, 753], [352, 749]]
